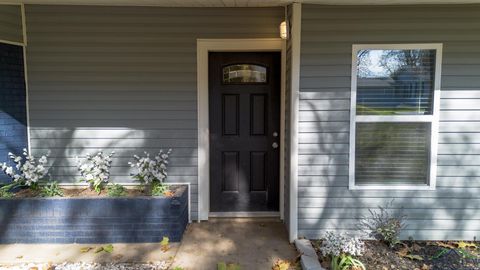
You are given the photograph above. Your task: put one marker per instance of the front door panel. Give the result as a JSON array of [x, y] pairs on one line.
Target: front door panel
[[244, 126]]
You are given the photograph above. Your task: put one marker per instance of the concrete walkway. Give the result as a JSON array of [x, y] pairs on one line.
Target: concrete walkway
[[59, 253], [253, 244]]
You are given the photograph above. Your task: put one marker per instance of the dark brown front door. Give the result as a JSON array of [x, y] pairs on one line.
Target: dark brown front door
[[244, 91]]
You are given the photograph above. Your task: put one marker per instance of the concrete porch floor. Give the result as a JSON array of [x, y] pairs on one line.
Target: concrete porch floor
[[251, 243]]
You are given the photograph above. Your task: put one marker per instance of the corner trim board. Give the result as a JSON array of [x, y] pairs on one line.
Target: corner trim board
[[294, 118]]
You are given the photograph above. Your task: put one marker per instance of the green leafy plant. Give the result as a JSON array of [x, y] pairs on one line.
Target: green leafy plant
[[158, 188], [51, 189], [116, 190], [6, 194], [5, 190], [383, 224], [346, 262]]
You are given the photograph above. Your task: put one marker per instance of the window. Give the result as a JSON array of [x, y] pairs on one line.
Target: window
[[244, 73], [394, 116]]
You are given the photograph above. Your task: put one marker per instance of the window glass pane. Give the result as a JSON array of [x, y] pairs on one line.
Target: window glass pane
[[244, 73], [392, 153], [395, 82]]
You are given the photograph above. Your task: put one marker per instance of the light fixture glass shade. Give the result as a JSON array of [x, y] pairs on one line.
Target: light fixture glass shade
[[283, 30]]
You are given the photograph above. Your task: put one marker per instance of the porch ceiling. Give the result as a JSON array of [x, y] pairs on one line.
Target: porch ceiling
[[237, 3]]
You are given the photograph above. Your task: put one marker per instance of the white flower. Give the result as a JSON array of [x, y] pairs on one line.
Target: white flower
[[95, 169], [335, 244], [150, 169], [28, 172]]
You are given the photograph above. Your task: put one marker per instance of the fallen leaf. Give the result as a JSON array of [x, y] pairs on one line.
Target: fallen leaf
[[281, 265], [425, 267], [85, 249], [118, 257], [98, 250], [168, 193], [414, 257], [164, 244], [416, 247], [446, 245], [19, 257], [108, 248], [463, 244], [403, 252]]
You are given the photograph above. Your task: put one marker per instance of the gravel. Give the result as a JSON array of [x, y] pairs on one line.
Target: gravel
[[88, 266]]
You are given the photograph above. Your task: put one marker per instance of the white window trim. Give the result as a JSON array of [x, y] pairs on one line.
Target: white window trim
[[433, 119]]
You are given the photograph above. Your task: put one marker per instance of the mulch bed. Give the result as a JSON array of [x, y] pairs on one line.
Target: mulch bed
[[416, 255]]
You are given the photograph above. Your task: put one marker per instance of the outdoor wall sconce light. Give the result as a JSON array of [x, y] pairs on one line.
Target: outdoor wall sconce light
[[283, 30]]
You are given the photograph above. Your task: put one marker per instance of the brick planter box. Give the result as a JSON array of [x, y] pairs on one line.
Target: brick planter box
[[93, 220]]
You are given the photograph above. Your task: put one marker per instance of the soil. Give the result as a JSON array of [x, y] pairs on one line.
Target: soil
[[85, 192], [416, 255]]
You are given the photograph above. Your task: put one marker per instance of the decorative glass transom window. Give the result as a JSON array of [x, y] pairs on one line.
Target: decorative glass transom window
[[244, 73], [394, 116]]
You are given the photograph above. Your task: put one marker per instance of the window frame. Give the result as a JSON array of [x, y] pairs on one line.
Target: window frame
[[433, 119]]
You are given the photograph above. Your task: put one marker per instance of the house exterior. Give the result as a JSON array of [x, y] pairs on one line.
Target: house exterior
[[359, 105]]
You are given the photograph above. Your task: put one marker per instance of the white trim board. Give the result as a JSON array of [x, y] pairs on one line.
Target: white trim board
[[204, 46], [433, 118], [296, 32]]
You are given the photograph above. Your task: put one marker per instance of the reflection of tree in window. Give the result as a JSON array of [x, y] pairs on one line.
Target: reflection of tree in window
[[395, 81]]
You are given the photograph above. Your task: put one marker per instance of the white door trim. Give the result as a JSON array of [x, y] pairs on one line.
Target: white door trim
[[224, 45]]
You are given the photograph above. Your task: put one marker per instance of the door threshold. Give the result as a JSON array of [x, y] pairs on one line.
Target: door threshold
[[259, 214]]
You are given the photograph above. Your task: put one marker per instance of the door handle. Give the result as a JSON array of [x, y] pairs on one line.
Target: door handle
[[274, 145]]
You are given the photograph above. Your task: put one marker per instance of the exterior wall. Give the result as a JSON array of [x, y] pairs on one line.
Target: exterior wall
[[13, 111], [452, 211], [11, 23], [124, 79]]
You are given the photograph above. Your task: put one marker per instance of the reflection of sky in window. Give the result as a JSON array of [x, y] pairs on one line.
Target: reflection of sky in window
[[372, 64], [394, 81], [377, 63]]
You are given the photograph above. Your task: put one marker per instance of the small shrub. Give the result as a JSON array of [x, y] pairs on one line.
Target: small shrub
[[95, 169], [149, 170], [28, 171], [342, 248], [116, 190], [383, 225], [51, 189]]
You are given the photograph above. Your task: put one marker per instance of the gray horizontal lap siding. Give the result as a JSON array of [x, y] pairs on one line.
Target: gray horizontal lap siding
[[124, 79], [11, 23], [325, 203]]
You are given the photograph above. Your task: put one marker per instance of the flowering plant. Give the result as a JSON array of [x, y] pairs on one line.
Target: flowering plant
[[95, 169], [342, 248], [28, 171], [149, 170]]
